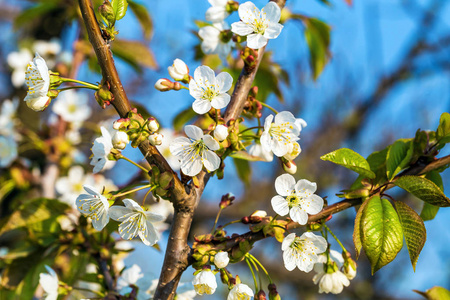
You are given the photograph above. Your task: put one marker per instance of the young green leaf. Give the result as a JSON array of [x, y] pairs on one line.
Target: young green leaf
[[351, 160], [120, 8], [423, 189], [246, 156], [435, 293], [243, 170], [443, 130], [429, 211], [317, 35], [357, 229], [381, 232], [413, 229], [398, 157]]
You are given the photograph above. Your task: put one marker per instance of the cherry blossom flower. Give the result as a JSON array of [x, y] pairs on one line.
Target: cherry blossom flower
[[205, 282], [258, 26], [18, 61], [8, 150], [240, 292], [49, 283], [194, 152], [179, 70], [221, 132], [70, 186], [156, 139], [72, 106], [164, 148], [94, 205], [209, 90], [217, 12], [221, 259], [136, 221], [120, 140], [213, 42], [280, 135], [328, 276], [296, 150], [101, 150], [297, 199], [134, 276], [37, 79], [258, 150], [303, 251]]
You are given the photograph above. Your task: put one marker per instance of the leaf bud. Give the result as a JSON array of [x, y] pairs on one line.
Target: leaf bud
[[104, 96], [156, 139], [107, 12]]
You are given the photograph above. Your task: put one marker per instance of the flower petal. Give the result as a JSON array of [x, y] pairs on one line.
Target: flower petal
[[240, 28], [211, 161], [305, 186], [287, 241], [225, 81], [298, 215], [149, 236], [256, 41], [220, 101], [273, 30], [191, 165], [178, 146], [131, 204], [284, 184], [248, 12], [272, 12], [117, 212], [204, 75], [285, 117], [280, 205], [210, 142], [201, 106], [313, 204], [193, 132]]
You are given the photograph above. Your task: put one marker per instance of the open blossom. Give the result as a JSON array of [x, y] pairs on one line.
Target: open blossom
[[303, 251], [49, 283], [195, 152], [258, 150], [70, 186], [213, 41], [101, 150], [94, 205], [136, 221], [296, 199], [209, 90], [217, 12], [134, 276], [37, 79], [72, 106], [258, 26], [205, 282], [164, 148], [329, 277], [280, 135], [240, 292], [179, 70], [18, 62]]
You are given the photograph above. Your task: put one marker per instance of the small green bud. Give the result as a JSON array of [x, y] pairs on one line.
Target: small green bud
[[107, 13]]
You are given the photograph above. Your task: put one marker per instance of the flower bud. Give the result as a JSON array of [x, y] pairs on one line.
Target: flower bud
[[163, 85], [120, 140], [156, 139], [226, 200], [273, 293], [296, 150], [290, 167], [107, 12], [39, 103], [152, 124], [179, 70], [122, 123], [260, 295], [257, 216], [349, 266], [221, 132], [221, 260]]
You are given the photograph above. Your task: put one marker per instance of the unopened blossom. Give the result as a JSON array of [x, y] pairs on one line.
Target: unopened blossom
[[205, 282], [290, 167], [37, 79], [258, 26], [101, 150], [120, 140], [163, 85], [18, 62], [349, 268], [136, 221], [196, 151], [240, 292], [259, 214], [72, 106], [156, 139], [280, 135], [217, 12], [95, 206], [164, 148], [221, 259], [49, 283], [296, 198], [221, 132], [209, 90], [303, 251], [329, 277], [8, 150], [258, 150], [214, 42], [153, 125], [179, 70]]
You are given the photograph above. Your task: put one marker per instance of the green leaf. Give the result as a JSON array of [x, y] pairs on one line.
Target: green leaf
[[246, 156], [435, 293], [357, 229], [398, 157], [413, 230], [317, 34], [183, 118], [120, 8], [351, 160], [429, 211], [423, 189], [143, 17], [443, 130], [381, 232], [243, 170], [135, 53], [36, 11]]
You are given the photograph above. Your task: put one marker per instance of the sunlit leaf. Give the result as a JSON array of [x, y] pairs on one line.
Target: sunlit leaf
[[429, 211], [435, 293], [183, 118], [246, 156], [357, 229], [398, 157], [443, 130], [317, 34], [423, 189], [120, 8], [351, 160]]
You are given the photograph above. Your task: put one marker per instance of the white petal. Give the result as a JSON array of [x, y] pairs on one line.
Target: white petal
[[298, 215], [178, 146], [149, 236], [191, 166], [313, 204], [289, 260], [284, 184], [280, 205], [154, 217], [100, 222], [131, 204], [204, 75], [195, 90], [240, 28], [273, 31], [210, 142], [287, 241], [256, 41], [117, 212], [248, 12], [193, 132], [220, 101], [272, 11], [225, 81], [211, 161], [305, 186], [265, 141], [201, 106], [279, 148], [268, 122], [285, 117], [216, 14]]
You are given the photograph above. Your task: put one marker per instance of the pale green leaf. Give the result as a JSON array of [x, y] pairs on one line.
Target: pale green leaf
[[357, 229], [351, 160], [243, 170], [120, 8], [423, 189], [443, 130], [183, 118], [398, 157], [429, 211], [317, 35], [435, 293], [246, 156]]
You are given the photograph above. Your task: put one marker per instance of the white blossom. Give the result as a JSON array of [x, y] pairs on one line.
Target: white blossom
[[8, 150], [37, 79], [280, 135], [290, 167], [217, 12], [240, 292], [221, 259], [303, 251], [329, 277], [296, 199], [49, 283], [258, 26], [120, 140], [156, 139], [194, 152], [259, 213], [221, 132], [164, 148], [134, 276], [212, 40], [100, 150], [178, 70], [153, 125], [47, 48], [258, 150], [94, 205], [70, 186], [18, 62], [72, 106], [205, 282], [136, 221], [209, 90], [296, 150]]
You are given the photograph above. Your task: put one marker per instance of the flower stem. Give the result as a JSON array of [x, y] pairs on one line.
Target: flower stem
[[250, 128], [92, 86], [88, 290], [137, 165], [247, 260], [184, 87], [75, 87], [269, 107], [261, 266], [335, 237], [217, 219], [132, 191], [232, 222], [148, 192]]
